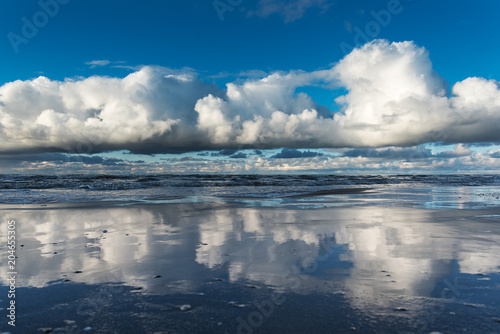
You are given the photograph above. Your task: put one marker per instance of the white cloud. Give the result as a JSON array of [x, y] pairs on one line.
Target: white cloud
[[105, 62], [95, 63], [394, 98], [459, 150], [291, 10], [140, 112]]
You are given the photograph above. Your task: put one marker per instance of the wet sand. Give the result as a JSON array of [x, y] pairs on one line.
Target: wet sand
[[229, 268], [331, 192]]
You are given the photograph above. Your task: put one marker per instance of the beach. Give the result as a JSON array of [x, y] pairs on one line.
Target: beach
[[371, 261], [250, 167]]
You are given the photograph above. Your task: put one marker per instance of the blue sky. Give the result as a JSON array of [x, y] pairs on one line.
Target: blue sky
[[199, 47], [462, 37]]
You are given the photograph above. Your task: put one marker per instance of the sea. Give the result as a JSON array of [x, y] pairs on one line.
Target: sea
[[431, 191]]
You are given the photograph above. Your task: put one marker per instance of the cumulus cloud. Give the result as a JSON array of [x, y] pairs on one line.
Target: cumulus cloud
[[41, 162], [391, 153], [394, 98], [239, 155], [145, 112], [496, 154], [290, 10], [459, 150], [391, 160], [226, 152], [59, 158], [258, 152], [231, 153], [288, 153], [472, 163]]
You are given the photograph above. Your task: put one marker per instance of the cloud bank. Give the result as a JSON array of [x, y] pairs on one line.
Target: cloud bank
[[387, 160], [288, 153], [394, 98]]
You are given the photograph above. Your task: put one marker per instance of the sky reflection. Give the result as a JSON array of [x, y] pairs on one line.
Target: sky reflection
[[364, 252]]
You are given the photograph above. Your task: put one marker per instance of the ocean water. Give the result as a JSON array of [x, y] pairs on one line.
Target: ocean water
[[431, 191]]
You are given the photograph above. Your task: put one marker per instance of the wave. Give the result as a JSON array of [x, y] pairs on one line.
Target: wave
[[43, 188], [124, 182]]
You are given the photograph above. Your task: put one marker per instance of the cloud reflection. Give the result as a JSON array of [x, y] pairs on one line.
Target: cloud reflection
[[364, 251]]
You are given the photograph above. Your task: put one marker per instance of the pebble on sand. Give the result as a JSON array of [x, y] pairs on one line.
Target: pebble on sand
[[237, 305], [184, 308]]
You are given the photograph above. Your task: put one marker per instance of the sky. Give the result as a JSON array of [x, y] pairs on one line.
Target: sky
[[238, 86]]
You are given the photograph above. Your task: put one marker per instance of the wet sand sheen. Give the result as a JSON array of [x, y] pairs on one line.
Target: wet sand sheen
[[343, 191], [261, 270], [327, 192]]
